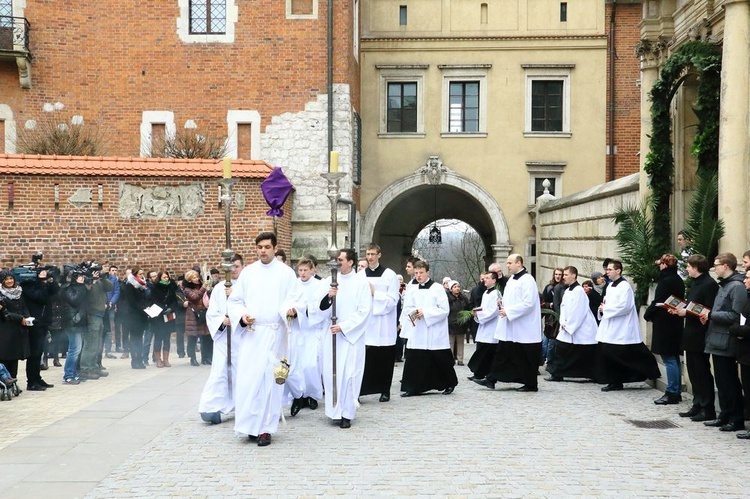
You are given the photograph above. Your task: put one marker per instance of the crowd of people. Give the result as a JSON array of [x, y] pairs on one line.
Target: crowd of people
[[82, 314], [275, 338]]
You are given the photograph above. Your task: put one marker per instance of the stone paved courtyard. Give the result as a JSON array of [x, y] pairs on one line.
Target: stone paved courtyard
[[137, 434]]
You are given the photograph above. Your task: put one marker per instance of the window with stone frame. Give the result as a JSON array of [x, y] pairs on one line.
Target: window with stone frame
[[463, 113], [547, 106], [208, 17], [402, 107]]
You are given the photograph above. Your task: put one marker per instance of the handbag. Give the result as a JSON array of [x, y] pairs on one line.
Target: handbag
[[200, 315], [169, 315]]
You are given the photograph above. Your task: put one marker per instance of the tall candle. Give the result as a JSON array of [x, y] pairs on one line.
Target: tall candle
[[334, 163], [227, 169]]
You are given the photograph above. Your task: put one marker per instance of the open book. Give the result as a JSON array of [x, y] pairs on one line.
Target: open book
[[153, 311], [672, 303], [697, 309]]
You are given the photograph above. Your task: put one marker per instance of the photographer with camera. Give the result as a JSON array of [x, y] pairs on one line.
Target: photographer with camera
[[99, 285], [75, 322], [38, 293]]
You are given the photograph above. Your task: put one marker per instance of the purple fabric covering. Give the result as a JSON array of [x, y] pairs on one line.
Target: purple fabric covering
[[276, 189]]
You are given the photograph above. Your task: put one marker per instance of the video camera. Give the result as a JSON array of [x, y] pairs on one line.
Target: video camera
[[30, 271], [87, 269]]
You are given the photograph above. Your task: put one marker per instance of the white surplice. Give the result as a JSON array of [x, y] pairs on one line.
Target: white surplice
[[431, 331], [619, 318], [487, 318], [577, 325], [304, 344], [265, 292], [523, 321], [381, 328], [353, 306], [215, 396]]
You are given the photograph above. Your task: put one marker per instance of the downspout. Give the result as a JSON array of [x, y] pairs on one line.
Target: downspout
[[352, 220], [612, 55]]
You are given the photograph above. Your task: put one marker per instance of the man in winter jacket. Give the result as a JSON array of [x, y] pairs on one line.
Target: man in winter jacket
[[728, 305], [37, 294]]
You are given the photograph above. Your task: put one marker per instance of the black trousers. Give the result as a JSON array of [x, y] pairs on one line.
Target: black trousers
[[745, 375], [37, 335], [730, 389], [699, 371]]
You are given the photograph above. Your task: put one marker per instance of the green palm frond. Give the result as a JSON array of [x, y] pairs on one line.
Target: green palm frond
[[635, 238], [463, 317], [703, 226]]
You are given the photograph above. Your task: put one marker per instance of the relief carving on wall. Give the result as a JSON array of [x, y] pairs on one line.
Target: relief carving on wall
[[81, 197], [178, 201]]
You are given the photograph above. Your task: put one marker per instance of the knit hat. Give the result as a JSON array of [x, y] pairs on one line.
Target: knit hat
[[595, 276], [453, 283]]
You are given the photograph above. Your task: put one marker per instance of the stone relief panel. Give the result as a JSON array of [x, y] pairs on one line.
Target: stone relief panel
[[178, 201], [81, 197]]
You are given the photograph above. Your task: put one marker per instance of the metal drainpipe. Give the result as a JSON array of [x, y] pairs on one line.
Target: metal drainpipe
[[612, 54], [330, 77]]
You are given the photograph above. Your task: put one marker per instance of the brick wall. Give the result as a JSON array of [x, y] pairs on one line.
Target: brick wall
[[71, 235], [109, 64], [627, 113]]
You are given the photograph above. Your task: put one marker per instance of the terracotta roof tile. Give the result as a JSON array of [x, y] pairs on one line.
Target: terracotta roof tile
[[34, 164]]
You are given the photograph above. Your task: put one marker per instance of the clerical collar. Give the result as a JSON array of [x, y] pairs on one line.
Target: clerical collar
[[376, 272], [413, 281], [575, 283], [426, 285], [618, 281], [490, 290], [519, 274]]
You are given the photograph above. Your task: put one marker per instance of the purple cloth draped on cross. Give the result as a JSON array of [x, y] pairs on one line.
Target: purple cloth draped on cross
[[276, 189]]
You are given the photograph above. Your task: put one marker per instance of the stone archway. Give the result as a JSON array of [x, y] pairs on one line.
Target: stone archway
[[406, 206]]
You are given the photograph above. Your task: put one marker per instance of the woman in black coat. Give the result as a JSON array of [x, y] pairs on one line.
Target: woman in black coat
[[133, 300], [164, 294], [456, 302], [702, 291], [14, 338], [667, 338]]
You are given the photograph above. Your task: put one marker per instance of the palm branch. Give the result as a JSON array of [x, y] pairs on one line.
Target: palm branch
[[635, 238]]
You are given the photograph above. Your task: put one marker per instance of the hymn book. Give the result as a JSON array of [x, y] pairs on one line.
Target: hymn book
[[413, 317], [672, 303]]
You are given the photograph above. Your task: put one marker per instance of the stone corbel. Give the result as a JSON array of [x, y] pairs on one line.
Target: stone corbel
[[24, 71]]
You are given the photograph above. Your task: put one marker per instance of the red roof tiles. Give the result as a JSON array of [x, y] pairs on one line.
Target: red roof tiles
[[34, 164]]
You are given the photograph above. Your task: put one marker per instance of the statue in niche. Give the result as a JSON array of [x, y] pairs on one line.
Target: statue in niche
[[180, 201]]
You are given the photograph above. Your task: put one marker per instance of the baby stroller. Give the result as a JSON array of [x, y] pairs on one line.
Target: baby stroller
[[8, 390]]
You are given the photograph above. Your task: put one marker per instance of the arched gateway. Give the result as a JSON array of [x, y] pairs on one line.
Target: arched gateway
[[432, 192]]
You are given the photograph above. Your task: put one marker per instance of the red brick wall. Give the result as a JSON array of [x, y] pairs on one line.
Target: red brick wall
[[627, 112], [71, 235], [109, 64]]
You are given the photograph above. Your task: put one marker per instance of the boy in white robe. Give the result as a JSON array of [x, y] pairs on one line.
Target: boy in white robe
[[575, 355], [216, 399], [429, 359], [304, 386], [353, 306], [258, 307], [480, 363]]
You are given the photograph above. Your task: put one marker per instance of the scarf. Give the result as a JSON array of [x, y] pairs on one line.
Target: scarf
[[136, 282], [11, 293]]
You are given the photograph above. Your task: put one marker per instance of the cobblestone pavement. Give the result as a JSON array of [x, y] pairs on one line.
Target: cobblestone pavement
[[137, 434]]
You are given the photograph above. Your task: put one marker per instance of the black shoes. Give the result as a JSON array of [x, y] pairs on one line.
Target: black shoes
[[312, 403], [408, 394], [137, 365], [45, 384], [346, 423], [744, 435], [693, 411], [669, 399], [703, 416], [612, 387], [473, 378], [527, 388], [485, 382], [35, 388], [449, 390], [385, 397], [296, 406], [264, 439], [553, 378], [716, 423], [736, 426], [211, 417], [194, 362]]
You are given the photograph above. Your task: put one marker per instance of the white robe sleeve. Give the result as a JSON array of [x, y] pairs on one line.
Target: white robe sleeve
[[572, 314], [489, 308], [384, 301], [524, 304], [618, 302], [353, 325], [217, 310], [439, 309]]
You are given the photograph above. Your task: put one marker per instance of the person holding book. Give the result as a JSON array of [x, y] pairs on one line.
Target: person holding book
[[741, 331], [667, 329], [728, 305], [429, 359], [702, 291]]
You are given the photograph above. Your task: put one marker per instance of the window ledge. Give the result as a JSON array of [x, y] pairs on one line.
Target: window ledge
[[554, 135], [399, 135], [469, 135]]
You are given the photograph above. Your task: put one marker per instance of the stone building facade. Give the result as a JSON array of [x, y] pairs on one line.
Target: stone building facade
[[471, 105], [154, 213], [254, 72]]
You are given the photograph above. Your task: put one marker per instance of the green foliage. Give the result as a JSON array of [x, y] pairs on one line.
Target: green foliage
[[638, 247], [705, 59], [463, 317], [703, 226]]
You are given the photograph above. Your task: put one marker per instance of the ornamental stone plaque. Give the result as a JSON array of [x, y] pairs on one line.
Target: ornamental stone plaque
[[162, 201]]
